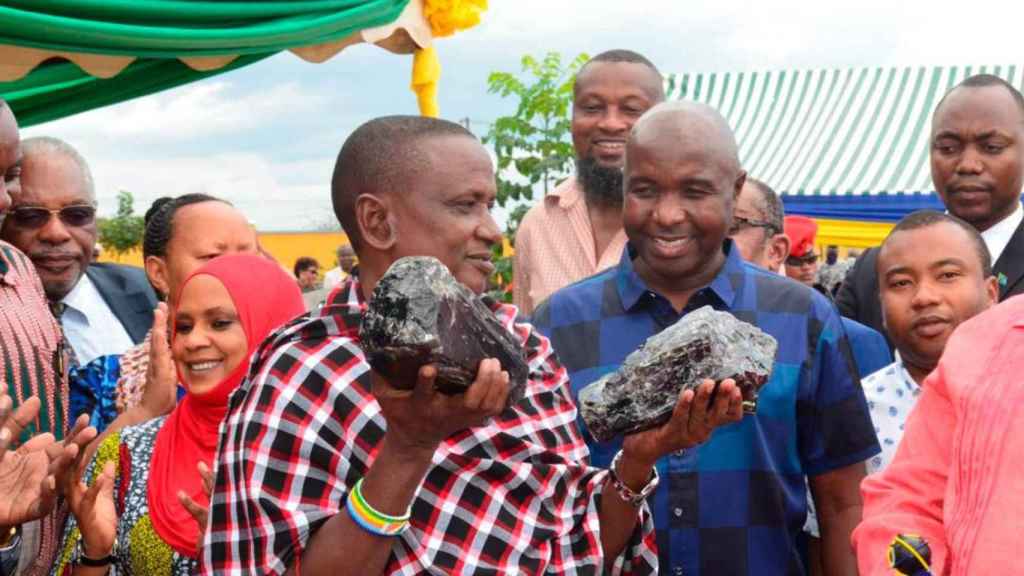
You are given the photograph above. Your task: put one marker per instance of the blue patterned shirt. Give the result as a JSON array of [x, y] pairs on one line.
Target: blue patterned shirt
[[736, 504]]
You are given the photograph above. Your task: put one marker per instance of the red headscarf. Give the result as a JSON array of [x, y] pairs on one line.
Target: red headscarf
[[265, 298]]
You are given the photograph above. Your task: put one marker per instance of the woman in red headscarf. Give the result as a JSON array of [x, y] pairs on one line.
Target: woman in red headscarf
[[132, 516]]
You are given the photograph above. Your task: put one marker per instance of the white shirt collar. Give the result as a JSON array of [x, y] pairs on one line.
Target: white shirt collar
[[908, 380], [900, 368], [89, 324], [998, 236], [82, 296]]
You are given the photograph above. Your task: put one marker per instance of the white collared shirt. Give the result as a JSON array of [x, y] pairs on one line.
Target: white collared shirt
[[998, 236], [90, 325]]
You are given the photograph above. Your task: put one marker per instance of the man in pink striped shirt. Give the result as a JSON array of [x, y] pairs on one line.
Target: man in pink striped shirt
[[576, 230]]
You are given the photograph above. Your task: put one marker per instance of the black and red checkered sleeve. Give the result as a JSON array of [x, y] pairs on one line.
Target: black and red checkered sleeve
[[285, 459]]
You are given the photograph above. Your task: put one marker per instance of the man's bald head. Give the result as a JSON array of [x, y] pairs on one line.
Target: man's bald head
[[692, 123], [382, 156], [682, 176]]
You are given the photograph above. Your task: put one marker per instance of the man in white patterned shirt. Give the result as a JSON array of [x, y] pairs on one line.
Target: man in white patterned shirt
[[934, 272]]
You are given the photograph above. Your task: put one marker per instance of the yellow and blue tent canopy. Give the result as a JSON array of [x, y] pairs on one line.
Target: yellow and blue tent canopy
[[848, 147]]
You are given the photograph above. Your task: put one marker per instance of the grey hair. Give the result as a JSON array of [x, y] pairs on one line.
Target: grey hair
[[51, 145], [770, 206]]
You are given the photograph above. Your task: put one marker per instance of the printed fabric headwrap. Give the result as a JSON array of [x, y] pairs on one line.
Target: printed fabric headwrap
[[265, 298]]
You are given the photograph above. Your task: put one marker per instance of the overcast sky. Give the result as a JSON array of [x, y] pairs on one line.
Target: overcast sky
[[265, 136]]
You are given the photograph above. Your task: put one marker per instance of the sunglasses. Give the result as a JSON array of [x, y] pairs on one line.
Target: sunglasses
[[797, 261], [741, 223], [33, 217]]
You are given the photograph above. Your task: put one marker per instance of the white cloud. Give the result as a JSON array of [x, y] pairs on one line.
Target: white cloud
[[192, 112], [276, 195], [148, 147]]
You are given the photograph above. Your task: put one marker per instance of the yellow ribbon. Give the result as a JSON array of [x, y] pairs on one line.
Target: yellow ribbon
[[445, 17]]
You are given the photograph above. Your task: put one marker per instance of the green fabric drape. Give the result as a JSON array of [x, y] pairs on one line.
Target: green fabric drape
[[158, 32], [58, 89]]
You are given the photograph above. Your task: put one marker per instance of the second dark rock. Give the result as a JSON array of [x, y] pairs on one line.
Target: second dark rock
[[705, 343]]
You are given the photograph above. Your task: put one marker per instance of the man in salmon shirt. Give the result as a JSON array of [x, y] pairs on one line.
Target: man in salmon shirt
[[956, 479]]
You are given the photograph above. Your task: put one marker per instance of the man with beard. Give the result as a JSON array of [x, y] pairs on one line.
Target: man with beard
[[977, 161], [104, 309], [576, 230], [736, 504]]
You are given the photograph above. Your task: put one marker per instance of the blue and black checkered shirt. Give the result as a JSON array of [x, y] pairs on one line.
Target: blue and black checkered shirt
[[736, 504]]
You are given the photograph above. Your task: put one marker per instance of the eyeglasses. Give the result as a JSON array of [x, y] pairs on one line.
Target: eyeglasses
[[76, 216], [797, 261], [740, 223]]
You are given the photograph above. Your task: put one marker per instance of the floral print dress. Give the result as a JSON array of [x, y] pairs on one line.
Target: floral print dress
[[139, 549]]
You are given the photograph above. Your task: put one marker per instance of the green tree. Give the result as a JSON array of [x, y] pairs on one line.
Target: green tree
[[533, 146], [123, 232]]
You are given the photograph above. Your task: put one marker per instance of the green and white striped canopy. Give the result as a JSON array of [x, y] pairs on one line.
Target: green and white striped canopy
[[839, 132]]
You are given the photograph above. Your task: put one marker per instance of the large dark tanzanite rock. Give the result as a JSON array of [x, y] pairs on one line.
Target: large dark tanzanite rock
[[703, 344], [420, 314]]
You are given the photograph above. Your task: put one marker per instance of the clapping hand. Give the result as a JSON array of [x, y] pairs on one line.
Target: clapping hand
[[161, 392], [93, 508], [198, 511], [29, 475]]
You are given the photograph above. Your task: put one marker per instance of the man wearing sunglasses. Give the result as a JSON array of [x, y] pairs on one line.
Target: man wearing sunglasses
[[104, 308], [757, 216], [757, 229], [802, 261]]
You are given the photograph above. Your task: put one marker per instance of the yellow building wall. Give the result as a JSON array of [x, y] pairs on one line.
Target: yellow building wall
[[286, 247], [850, 234]]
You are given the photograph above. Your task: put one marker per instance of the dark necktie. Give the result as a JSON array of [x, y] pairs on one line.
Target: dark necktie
[[66, 356]]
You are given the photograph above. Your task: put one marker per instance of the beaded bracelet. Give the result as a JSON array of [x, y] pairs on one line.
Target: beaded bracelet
[[371, 520]]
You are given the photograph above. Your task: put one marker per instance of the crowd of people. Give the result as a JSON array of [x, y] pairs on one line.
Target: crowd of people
[[214, 413]]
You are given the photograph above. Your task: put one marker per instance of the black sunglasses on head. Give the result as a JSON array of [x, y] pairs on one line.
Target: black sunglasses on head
[[36, 217]]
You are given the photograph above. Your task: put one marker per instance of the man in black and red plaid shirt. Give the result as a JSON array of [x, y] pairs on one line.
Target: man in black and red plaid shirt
[[490, 490]]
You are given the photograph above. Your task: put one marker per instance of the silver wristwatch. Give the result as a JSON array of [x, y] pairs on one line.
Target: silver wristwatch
[[625, 492]]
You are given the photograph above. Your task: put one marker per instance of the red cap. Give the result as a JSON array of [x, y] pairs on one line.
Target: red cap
[[801, 231]]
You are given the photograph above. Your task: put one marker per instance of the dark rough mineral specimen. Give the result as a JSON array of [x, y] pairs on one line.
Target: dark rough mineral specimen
[[420, 314], [703, 344]]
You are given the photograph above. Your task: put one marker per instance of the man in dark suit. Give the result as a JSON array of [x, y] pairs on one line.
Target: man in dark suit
[[104, 308], [977, 161]]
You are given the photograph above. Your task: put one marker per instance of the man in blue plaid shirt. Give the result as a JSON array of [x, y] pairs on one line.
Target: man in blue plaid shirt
[[736, 504]]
